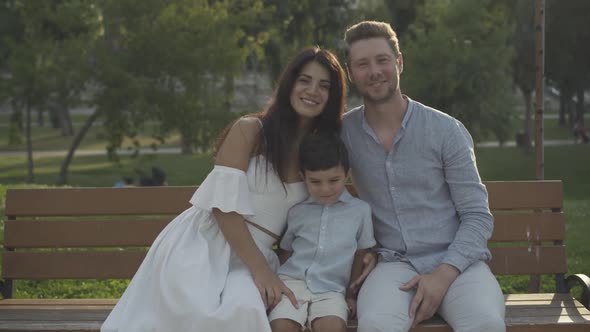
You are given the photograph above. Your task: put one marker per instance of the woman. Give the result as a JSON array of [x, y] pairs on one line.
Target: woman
[[212, 268]]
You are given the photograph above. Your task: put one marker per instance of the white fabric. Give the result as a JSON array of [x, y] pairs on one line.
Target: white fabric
[[224, 188], [190, 279]]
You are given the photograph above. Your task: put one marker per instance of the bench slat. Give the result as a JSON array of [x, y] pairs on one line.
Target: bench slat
[[525, 260], [173, 200], [124, 264], [513, 195], [71, 265], [516, 320], [98, 201], [525, 227], [508, 227], [82, 233]]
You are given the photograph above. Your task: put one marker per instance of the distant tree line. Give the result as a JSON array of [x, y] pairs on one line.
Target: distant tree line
[[174, 62]]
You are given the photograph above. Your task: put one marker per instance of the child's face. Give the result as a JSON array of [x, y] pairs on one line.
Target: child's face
[[326, 186]]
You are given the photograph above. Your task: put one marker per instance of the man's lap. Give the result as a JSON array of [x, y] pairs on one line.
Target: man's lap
[[381, 303]]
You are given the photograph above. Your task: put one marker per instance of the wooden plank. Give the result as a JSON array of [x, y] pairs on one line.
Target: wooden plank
[[98, 201], [514, 195], [528, 260], [57, 315], [71, 265], [537, 297], [81, 233], [173, 200], [123, 264], [528, 227], [49, 326], [52, 302]]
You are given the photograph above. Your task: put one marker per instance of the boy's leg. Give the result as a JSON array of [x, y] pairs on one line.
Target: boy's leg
[[474, 302], [284, 317], [328, 324], [285, 325], [328, 312], [381, 305]]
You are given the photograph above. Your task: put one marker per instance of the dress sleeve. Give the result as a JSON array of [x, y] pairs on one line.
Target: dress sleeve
[[225, 188]]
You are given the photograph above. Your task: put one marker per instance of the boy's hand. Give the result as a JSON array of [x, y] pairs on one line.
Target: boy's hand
[[369, 263], [351, 303]]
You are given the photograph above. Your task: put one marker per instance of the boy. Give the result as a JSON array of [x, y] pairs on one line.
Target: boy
[[326, 239]]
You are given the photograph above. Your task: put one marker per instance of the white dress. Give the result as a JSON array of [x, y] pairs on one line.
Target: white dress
[[190, 279]]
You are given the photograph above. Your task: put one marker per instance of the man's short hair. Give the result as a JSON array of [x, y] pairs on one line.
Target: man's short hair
[[367, 30]]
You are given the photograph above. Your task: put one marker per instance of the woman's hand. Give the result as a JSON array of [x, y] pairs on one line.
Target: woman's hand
[[272, 288]]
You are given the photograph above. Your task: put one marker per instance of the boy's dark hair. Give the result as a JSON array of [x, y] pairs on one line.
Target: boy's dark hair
[[318, 152]]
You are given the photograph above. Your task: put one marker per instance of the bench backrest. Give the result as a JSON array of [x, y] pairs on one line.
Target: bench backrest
[[48, 232]]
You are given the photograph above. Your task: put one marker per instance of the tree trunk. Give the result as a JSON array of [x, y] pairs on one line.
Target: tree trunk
[[63, 115], [562, 109], [580, 106], [186, 144], [40, 118], [30, 165], [528, 108], [63, 172]]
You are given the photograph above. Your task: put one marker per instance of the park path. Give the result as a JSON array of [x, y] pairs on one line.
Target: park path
[[98, 152]]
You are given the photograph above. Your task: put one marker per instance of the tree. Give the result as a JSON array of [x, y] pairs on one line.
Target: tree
[[306, 23], [28, 64], [171, 61], [524, 67], [568, 51], [457, 58]]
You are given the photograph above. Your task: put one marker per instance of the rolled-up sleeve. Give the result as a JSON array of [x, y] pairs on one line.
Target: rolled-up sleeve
[[470, 198]]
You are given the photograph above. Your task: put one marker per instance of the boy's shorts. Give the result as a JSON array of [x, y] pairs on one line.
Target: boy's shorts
[[311, 306]]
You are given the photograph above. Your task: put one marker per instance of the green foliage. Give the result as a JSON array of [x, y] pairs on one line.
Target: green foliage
[[457, 59], [173, 62]]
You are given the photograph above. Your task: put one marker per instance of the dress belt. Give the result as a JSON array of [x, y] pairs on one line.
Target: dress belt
[[264, 230]]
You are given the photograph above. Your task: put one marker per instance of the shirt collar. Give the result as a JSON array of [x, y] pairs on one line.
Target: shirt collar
[[345, 197], [407, 116]]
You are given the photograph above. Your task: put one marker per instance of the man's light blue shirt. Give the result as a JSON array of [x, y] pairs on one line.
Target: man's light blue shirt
[[324, 239], [428, 201]]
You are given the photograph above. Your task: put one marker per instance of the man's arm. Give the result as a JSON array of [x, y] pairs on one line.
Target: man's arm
[[469, 197]]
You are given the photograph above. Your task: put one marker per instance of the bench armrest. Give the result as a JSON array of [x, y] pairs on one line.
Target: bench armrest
[[581, 280]]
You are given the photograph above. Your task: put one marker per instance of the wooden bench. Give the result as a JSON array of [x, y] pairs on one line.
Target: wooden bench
[[48, 231]]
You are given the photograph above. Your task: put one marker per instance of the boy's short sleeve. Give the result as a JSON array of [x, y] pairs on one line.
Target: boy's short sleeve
[[289, 236], [365, 236]]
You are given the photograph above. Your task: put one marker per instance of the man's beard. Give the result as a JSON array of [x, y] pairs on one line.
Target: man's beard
[[380, 100]]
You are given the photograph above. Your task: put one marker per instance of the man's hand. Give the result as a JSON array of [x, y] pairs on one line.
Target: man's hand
[[431, 288]]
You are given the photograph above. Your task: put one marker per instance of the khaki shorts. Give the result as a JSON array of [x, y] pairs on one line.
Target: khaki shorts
[[311, 306]]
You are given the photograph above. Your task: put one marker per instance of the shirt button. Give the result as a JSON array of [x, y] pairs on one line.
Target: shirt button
[[321, 247]]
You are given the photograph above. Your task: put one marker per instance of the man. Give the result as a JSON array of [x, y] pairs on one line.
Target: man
[[415, 166]]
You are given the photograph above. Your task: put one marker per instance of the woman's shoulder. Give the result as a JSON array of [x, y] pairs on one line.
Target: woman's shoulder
[[248, 127]]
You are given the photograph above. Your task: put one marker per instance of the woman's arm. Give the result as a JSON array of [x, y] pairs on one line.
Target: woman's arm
[[236, 152]]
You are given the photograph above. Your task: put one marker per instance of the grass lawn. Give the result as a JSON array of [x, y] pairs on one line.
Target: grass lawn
[[567, 163], [49, 139]]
